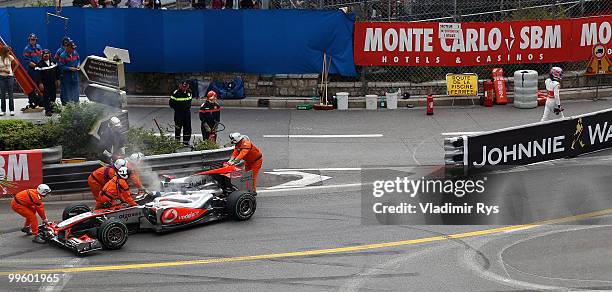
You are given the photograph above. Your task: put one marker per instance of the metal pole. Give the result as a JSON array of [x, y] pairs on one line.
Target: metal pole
[[597, 86], [364, 69], [455, 16]]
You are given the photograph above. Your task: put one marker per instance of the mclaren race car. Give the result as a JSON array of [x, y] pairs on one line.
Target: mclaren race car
[[207, 196]]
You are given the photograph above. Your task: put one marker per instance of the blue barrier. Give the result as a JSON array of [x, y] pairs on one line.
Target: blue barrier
[[172, 41]]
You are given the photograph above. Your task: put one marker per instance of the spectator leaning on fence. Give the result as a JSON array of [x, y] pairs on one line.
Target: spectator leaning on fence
[[133, 3], [217, 4], [246, 4], [152, 4], [6, 79]]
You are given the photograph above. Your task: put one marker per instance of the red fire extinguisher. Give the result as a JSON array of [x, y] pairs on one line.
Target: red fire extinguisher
[[430, 105]]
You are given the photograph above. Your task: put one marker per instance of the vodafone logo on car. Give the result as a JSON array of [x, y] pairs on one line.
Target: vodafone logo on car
[[169, 216], [180, 215]]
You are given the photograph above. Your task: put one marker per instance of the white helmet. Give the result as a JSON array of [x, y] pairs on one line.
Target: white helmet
[[136, 157], [123, 172], [119, 163], [43, 190], [236, 137], [115, 122]]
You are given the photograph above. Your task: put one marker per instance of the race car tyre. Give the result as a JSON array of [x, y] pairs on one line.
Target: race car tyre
[[241, 206], [74, 209], [112, 234]]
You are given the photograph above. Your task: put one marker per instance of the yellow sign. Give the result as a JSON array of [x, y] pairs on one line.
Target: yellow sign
[[462, 84], [599, 66]]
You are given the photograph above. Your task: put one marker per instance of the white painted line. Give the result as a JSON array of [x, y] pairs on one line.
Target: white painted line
[[325, 136], [459, 133], [320, 169]]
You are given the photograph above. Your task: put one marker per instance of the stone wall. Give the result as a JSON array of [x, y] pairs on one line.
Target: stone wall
[[306, 85]]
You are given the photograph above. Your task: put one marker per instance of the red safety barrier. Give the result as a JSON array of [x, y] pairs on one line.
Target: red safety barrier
[[542, 96], [500, 86]]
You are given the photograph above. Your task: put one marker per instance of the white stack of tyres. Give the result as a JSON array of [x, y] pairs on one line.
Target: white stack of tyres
[[525, 89]]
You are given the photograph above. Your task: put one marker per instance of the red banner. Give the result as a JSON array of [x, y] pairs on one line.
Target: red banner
[[479, 43], [19, 170]]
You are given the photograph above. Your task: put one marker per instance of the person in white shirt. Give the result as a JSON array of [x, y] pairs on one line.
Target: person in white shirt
[[6, 80], [553, 102]]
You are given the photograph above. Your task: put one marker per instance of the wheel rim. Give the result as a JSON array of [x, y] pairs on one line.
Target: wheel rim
[[245, 207], [115, 235]]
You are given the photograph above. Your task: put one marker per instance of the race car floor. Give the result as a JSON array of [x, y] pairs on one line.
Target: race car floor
[[314, 239]]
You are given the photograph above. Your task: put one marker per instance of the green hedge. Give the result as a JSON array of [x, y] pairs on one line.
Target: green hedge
[[18, 135], [71, 130], [149, 142]]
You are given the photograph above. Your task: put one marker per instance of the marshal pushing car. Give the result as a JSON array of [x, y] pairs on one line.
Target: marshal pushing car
[[226, 192]]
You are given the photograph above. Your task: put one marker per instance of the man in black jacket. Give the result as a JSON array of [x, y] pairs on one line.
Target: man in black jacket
[[210, 115], [47, 80], [180, 102]]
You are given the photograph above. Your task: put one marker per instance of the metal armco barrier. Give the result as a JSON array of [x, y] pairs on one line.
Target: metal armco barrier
[[68, 177], [561, 138], [72, 177], [52, 155], [186, 163]]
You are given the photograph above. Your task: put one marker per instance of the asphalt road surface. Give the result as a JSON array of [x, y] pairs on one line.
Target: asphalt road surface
[[313, 238]]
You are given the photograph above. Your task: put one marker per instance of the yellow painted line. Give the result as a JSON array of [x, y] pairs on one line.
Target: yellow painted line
[[313, 252]]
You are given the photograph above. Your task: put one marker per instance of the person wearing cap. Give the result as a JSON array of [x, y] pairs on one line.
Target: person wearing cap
[[112, 140], [47, 80], [116, 191], [245, 150], [32, 54], [69, 63], [57, 55], [180, 102], [28, 203], [62, 48], [210, 114]]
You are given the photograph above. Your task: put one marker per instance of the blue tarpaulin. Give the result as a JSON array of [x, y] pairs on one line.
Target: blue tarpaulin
[[172, 41]]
